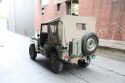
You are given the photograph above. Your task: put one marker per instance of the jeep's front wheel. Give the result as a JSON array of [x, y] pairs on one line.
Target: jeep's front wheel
[[32, 52], [55, 63]]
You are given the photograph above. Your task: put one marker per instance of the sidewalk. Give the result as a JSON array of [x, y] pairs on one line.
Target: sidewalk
[[112, 44], [112, 49]]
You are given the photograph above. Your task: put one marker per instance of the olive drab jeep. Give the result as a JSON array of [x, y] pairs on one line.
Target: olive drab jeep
[[70, 39]]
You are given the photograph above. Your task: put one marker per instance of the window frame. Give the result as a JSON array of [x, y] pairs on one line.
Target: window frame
[[83, 26]]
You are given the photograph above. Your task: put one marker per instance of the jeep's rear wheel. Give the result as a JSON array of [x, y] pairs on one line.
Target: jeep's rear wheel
[[55, 63], [32, 52]]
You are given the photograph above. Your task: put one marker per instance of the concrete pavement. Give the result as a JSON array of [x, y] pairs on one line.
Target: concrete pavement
[[112, 44], [17, 67]]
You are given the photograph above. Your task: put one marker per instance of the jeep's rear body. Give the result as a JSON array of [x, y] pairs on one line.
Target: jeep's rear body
[[68, 36], [70, 39], [75, 27]]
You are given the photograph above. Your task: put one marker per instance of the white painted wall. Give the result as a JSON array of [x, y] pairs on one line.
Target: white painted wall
[[3, 15], [19, 15], [24, 17], [3, 24]]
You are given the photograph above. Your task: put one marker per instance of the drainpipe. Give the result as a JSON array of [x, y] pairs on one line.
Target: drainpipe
[[70, 7]]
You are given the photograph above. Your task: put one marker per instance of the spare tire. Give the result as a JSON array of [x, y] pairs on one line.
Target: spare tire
[[90, 43]]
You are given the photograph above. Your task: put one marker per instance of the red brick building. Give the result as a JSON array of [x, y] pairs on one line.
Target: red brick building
[[110, 15], [38, 15]]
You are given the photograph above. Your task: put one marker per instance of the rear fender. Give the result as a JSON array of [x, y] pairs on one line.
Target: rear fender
[[50, 50]]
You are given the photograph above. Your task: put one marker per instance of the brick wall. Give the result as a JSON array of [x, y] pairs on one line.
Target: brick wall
[[51, 11], [37, 15], [110, 16]]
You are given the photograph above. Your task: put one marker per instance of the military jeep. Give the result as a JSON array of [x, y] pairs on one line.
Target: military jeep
[[69, 39]]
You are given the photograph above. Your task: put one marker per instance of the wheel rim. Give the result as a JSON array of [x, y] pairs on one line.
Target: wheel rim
[[91, 44]]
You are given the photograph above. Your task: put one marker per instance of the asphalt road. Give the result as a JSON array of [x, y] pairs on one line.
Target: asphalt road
[[17, 67]]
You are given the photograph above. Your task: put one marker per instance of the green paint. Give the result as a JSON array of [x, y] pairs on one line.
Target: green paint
[[70, 7], [93, 57]]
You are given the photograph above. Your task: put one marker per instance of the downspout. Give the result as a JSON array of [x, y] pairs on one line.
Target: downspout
[[71, 8]]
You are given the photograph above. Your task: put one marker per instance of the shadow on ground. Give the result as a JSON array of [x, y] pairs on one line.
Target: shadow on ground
[[43, 62]]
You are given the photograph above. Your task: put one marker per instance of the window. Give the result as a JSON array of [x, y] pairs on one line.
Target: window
[[75, 8], [44, 29], [44, 2], [68, 6], [53, 28], [59, 7], [72, 7], [81, 26]]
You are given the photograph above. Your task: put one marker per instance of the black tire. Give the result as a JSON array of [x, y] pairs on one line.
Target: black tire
[[89, 40], [55, 63], [83, 63], [32, 52]]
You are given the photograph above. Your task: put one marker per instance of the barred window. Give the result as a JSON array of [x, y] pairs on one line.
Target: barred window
[[81, 26]]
